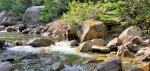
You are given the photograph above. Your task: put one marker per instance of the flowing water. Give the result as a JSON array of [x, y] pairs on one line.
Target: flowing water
[[48, 58]]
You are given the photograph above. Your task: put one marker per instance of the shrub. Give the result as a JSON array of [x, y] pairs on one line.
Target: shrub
[[53, 9]]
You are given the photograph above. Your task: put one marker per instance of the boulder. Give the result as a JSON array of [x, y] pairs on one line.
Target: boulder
[[91, 29], [74, 43], [2, 28], [11, 29], [130, 33], [2, 43], [146, 67], [114, 64], [100, 48], [22, 27], [3, 15], [27, 31], [5, 66], [87, 46], [41, 42], [31, 16], [146, 42], [21, 43], [9, 21], [123, 51], [136, 40], [114, 43]]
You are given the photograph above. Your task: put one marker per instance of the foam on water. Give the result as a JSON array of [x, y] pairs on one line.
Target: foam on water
[[62, 47]]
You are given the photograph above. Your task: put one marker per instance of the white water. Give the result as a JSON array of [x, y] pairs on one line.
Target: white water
[[62, 47]]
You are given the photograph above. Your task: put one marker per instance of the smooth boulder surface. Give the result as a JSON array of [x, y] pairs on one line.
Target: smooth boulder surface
[[9, 21], [3, 15], [91, 29], [100, 48], [87, 46], [130, 33], [114, 43], [41, 42], [31, 16], [114, 64], [5, 66]]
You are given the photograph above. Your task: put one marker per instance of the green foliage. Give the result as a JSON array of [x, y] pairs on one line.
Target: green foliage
[[53, 9], [81, 11], [129, 12]]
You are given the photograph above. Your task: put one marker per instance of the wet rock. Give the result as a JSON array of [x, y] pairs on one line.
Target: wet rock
[[22, 27], [136, 40], [2, 43], [123, 51], [94, 61], [9, 21], [2, 58], [130, 33], [74, 43], [5, 66], [3, 15], [31, 16], [91, 29], [38, 30], [100, 48], [21, 43], [27, 31], [2, 28], [11, 29], [57, 66], [114, 64], [41, 42], [114, 43], [87, 46], [142, 58], [46, 34]]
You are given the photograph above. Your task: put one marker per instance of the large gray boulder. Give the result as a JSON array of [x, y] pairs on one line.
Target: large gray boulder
[[31, 16], [5, 66], [9, 21], [3, 15], [41, 42], [91, 29], [114, 64]]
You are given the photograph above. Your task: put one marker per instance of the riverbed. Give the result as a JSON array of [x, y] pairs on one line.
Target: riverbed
[[45, 58]]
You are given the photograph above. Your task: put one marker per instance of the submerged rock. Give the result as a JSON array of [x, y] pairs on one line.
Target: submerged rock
[[130, 33], [91, 29], [31, 16], [41, 42], [5, 66], [57, 66], [114, 64]]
